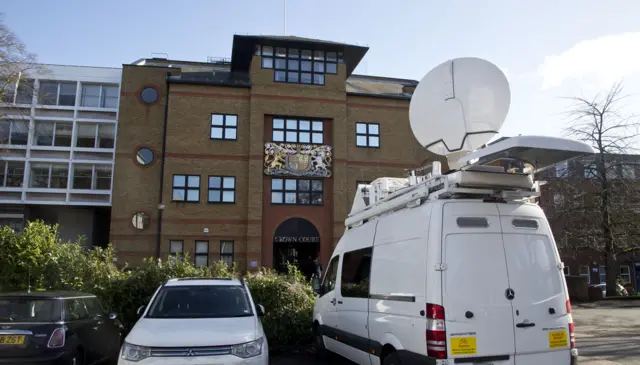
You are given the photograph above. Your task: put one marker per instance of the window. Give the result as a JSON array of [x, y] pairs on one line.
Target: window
[[75, 309], [46, 175], [222, 189], [186, 188], [176, 250], [584, 272], [149, 95], [226, 252], [94, 307], [296, 191], [31, 310], [140, 220], [8, 88], [330, 276], [56, 134], [297, 66], [566, 271], [298, 131], [356, 268], [590, 171], [224, 126], [25, 91], [625, 273], [12, 173], [57, 93], [602, 270], [99, 96], [144, 156], [202, 254], [628, 172], [92, 177], [96, 135], [562, 169], [201, 301], [368, 135], [362, 182], [14, 132]]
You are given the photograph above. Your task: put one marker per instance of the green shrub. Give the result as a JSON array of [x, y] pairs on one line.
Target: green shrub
[[37, 258]]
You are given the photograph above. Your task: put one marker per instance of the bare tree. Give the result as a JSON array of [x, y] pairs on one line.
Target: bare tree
[[600, 198], [15, 65]]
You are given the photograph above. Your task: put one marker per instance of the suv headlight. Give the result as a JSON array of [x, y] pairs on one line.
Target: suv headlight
[[249, 349], [131, 352]]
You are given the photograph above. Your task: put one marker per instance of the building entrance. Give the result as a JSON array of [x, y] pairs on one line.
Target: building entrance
[[296, 241]]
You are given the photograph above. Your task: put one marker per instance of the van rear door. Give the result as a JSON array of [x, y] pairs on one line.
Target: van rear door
[[478, 317], [540, 300]]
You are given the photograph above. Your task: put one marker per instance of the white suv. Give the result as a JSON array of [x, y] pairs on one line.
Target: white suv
[[198, 321]]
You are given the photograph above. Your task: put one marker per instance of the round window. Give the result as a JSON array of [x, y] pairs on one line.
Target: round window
[[149, 95], [140, 220], [144, 156]]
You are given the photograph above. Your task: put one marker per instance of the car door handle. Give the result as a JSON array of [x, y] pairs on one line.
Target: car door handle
[[339, 301], [523, 325]]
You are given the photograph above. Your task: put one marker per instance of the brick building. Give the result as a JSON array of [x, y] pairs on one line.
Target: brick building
[[254, 159], [570, 199]]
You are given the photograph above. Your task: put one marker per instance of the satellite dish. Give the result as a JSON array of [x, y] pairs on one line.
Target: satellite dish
[[459, 106]]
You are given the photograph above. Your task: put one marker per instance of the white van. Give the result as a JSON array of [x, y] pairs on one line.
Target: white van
[[454, 268]]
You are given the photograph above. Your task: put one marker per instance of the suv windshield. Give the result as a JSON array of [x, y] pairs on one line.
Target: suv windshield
[[29, 310], [206, 301]]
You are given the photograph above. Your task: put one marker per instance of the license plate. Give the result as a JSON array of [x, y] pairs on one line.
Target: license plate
[[11, 340]]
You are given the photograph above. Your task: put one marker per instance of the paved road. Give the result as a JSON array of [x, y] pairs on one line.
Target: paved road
[[604, 336]]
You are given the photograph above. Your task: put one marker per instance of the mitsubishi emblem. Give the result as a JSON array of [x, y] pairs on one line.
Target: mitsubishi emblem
[[190, 353], [510, 294]]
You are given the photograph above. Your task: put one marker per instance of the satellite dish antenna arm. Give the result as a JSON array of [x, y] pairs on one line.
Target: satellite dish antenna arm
[[461, 143]]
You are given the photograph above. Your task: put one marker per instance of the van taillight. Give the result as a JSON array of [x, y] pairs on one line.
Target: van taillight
[[572, 333], [436, 332], [57, 338]]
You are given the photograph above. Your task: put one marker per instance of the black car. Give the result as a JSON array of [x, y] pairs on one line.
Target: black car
[[61, 328]]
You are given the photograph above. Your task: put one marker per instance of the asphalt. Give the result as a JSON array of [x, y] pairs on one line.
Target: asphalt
[[606, 334]]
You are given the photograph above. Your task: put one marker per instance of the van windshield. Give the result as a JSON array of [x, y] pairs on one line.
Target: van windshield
[[202, 301], [29, 310], [532, 266]]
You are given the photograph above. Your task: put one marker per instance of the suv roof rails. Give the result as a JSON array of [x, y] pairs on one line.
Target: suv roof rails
[[185, 279]]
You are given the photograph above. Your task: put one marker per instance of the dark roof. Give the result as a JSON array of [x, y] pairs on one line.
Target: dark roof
[[244, 48], [46, 294]]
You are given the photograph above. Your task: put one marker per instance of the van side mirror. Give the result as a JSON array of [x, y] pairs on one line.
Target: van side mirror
[[140, 310], [259, 310], [315, 285], [113, 316]]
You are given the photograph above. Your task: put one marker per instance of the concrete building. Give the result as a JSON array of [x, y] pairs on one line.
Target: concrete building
[[253, 159], [57, 142]]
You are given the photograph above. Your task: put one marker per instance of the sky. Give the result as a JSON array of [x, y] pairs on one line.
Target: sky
[[548, 49]]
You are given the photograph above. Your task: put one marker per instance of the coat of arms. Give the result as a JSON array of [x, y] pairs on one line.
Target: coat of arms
[[298, 162]]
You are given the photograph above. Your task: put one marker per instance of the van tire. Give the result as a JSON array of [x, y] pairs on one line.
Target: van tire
[[391, 359], [318, 342]]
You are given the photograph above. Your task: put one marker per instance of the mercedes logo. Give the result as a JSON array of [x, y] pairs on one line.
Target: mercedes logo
[[509, 293]]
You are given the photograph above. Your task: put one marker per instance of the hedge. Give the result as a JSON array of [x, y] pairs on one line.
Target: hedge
[[38, 259]]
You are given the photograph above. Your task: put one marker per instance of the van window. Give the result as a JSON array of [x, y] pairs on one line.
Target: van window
[[472, 222], [525, 223], [356, 268], [329, 282]]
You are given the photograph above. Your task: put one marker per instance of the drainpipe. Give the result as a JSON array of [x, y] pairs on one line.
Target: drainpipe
[[162, 159]]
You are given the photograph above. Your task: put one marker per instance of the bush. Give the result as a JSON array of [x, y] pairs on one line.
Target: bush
[[36, 258]]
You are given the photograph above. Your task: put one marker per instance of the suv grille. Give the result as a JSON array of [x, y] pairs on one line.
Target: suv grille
[[190, 351]]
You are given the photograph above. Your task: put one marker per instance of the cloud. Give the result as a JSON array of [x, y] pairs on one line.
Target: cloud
[[597, 62]]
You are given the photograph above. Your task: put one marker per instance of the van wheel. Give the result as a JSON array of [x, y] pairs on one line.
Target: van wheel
[[391, 359], [318, 342]]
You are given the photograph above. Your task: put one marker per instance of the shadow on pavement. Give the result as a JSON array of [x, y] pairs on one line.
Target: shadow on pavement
[[307, 357]]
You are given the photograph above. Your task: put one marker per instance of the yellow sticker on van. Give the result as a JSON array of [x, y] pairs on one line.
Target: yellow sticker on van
[[463, 345], [558, 339]]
